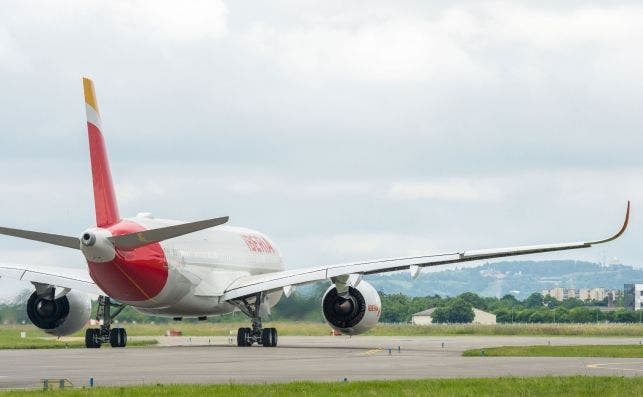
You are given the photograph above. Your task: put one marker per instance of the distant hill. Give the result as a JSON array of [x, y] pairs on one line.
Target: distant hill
[[498, 279]]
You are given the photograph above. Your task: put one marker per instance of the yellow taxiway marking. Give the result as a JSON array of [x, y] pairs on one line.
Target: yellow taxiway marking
[[606, 366], [371, 352]]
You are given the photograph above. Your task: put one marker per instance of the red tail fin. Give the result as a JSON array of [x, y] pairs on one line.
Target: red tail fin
[[104, 195]]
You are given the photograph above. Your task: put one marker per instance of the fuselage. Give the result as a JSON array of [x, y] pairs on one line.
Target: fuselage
[[186, 275]]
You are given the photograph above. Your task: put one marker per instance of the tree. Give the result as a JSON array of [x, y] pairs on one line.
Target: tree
[[551, 302], [581, 315], [509, 301], [523, 316], [534, 301], [625, 316], [541, 316], [503, 315], [560, 315], [458, 311], [474, 300], [571, 303]]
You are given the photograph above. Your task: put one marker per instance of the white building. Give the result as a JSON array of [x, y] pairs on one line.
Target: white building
[[633, 296], [480, 317], [583, 294], [556, 293]]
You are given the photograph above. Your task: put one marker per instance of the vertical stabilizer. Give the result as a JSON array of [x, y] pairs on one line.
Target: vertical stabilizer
[[104, 195]]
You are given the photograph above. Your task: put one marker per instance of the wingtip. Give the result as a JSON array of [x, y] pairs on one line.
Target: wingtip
[[621, 230]]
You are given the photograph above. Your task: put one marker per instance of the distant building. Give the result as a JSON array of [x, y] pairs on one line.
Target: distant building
[[584, 294], [479, 317], [571, 293], [633, 296], [556, 293]]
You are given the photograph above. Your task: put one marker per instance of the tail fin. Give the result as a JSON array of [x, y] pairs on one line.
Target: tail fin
[[104, 195]]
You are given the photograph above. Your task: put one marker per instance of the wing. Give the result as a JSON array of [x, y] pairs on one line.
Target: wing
[[62, 277], [251, 285]]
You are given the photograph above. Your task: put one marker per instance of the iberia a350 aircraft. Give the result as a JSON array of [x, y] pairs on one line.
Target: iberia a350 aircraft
[[198, 269]]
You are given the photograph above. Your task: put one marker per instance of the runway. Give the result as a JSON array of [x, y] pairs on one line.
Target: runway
[[214, 360]]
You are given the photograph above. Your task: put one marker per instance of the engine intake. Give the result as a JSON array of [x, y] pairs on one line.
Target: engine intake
[[354, 313], [62, 316]]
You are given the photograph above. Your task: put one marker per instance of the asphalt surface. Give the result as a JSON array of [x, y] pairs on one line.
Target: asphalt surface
[[217, 360]]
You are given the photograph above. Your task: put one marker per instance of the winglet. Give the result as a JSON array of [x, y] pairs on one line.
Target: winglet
[[620, 232]]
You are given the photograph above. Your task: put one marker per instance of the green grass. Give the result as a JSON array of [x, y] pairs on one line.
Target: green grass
[[625, 351], [544, 386], [10, 334], [36, 339], [321, 329], [601, 329]]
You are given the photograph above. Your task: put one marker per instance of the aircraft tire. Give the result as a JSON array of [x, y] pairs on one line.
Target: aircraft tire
[[118, 337], [92, 340], [243, 337]]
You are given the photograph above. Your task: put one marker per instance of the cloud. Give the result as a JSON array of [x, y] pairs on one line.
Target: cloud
[[346, 247], [162, 19], [475, 44], [11, 58], [192, 20], [384, 49], [449, 189]]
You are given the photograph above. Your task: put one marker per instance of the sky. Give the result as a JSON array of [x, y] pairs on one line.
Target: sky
[[343, 130]]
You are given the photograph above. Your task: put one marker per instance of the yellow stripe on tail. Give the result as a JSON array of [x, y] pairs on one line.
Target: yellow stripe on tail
[[90, 94]]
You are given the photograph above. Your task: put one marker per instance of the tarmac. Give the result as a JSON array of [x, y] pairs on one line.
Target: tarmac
[[219, 360]]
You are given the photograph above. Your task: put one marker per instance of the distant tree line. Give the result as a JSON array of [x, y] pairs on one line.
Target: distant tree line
[[398, 308], [536, 308]]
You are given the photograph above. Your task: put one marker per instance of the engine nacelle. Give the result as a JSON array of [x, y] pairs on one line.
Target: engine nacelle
[[62, 316], [355, 313]]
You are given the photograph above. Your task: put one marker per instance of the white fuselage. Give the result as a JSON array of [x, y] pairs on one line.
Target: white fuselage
[[201, 265]]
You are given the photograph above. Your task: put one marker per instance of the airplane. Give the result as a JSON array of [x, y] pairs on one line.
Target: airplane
[[199, 269]]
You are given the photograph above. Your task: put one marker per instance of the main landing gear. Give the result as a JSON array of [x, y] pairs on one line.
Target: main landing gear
[[257, 334], [116, 337]]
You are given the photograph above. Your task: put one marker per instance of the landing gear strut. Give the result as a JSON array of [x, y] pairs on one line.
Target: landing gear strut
[[116, 337], [257, 334]]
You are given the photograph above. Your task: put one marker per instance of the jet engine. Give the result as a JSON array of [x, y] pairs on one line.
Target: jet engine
[[61, 316], [354, 312]]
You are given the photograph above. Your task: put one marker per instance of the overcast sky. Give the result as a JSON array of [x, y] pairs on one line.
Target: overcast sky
[[343, 130]]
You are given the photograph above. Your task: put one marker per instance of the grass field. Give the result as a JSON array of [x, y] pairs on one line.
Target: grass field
[[320, 329], [545, 386], [10, 334], [625, 351], [36, 339]]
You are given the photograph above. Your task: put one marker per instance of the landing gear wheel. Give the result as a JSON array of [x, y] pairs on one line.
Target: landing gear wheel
[[274, 337], [95, 337], [269, 337], [118, 337], [243, 337], [257, 334], [92, 338]]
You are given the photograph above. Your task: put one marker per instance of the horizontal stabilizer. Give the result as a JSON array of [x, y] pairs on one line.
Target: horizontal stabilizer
[[140, 239], [55, 239]]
